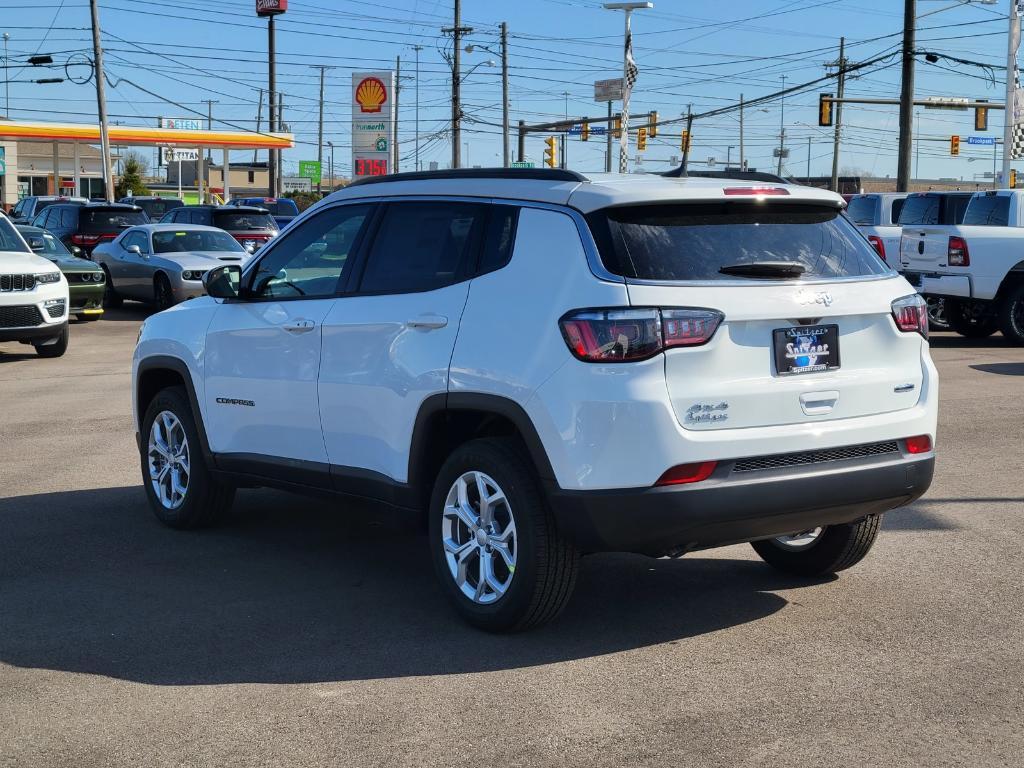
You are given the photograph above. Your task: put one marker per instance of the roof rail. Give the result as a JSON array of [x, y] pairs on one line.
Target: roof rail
[[533, 174]]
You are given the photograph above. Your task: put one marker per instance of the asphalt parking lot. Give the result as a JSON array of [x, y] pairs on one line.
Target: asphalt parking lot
[[308, 633]]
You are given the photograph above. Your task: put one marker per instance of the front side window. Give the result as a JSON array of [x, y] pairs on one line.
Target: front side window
[[723, 241], [311, 260], [136, 238], [920, 210], [422, 246]]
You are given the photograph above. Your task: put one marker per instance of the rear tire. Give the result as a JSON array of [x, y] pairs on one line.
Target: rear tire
[[528, 568], [111, 298], [1011, 315], [971, 319], [835, 548], [58, 348], [189, 496]]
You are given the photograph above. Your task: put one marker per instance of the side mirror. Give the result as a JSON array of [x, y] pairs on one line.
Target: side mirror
[[250, 248], [223, 282], [76, 251], [36, 244], [134, 249]]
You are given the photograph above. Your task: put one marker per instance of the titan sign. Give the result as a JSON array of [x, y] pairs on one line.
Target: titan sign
[[271, 7], [373, 117]]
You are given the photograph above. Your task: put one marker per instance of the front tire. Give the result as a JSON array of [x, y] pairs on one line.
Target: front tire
[[1011, 315], [111, 298], [497, 552], [163, 296], [822, 551], [57, 348], [181, 490]]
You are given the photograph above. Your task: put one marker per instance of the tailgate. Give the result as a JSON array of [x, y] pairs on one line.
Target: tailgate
[[925, 248]]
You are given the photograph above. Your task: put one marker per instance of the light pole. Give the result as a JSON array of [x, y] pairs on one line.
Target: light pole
[[7, 78], [505, 150], [629, 72], [417, 48], [331, 171]]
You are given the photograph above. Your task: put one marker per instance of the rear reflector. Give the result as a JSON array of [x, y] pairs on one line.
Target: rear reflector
[[878, 245], [957, 254], [919, 444], [688, 473], [754, 191]]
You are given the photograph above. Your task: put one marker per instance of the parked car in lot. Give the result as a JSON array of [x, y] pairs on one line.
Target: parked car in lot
[[33, 296], [154, 206], [85, 280], [164, 263], [541, 364], [86, 226], [283, 209], [975, 266], [877, 215], [252, 227], [29, 207]]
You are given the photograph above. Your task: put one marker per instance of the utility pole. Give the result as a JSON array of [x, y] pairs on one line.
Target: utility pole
[[506, 157], [259, 119], [273, 155], [417, 48], [101, 102], [1009, 114], [689, 136], [917, 146], [608, 141], [782, 127], [743, 162], [906, 98], [7, 78], [840, 89], [209, 124], [398, 91], [808, 159], [320, 129], [457, 31]]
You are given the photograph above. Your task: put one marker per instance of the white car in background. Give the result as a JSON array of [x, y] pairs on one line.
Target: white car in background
[[877, 214], [33, 296]]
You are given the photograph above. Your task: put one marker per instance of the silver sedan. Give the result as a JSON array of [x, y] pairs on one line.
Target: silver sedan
[[164, 263]]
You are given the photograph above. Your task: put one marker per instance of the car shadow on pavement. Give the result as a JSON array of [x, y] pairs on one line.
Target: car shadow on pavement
[[954, 341], [298, 591], [1003, 369]]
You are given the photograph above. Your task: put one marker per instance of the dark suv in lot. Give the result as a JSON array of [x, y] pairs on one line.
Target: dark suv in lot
[[252, 227], [154, 206], [86, 226]]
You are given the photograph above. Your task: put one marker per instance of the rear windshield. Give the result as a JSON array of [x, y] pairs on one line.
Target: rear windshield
[[157, 208], [694, 242], [180, 241], [282, 207], [988, 210], [110, 219], [921, 209], [954, 209], [862, 210], [243, 221]]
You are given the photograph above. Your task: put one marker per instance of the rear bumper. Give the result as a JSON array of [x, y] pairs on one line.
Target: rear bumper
[[931, 284], [732, 507]]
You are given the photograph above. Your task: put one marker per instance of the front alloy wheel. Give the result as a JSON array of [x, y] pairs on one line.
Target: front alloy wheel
[[168, 460], [478, 532]]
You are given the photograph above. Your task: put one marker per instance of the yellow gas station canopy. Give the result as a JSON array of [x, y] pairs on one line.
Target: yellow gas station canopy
[[135, 135]]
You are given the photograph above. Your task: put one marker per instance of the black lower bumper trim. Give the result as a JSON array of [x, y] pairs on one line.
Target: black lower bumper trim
[[37, 334], [730, 510]]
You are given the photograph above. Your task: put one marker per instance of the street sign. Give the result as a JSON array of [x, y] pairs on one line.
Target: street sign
[[296, 184], [608, 90], [783, 152], [984, 141], [310, 169], [175, 155], [948, 102], [595, 130], [521, 164]]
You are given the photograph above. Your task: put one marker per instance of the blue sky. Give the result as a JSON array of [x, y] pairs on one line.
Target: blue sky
[[689, 52]]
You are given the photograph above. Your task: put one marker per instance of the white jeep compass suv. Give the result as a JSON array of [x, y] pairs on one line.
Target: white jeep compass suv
[[544, 364], [33, 296]]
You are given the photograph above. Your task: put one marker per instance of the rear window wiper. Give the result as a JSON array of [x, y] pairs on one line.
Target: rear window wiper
[[765, 269]]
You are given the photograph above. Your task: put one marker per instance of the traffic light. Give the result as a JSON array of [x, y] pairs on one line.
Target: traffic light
[[617, 127], [551, 153], [652, 124], [585, 131], [981, 118], [1013, 178], [684, 143], [954, 145], [824, 109], [641, 139]]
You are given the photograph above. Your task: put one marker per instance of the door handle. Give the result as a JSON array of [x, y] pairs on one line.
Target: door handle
[[427, 322], [299, 326]]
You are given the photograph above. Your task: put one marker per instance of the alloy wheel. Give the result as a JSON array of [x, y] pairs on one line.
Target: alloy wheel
[[168, 460], [478, 533]]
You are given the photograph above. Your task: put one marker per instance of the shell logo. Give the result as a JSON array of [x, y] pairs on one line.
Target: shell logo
[[371, 94]]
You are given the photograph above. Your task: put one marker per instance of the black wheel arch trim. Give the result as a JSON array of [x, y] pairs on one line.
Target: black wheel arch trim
[[178, 366]]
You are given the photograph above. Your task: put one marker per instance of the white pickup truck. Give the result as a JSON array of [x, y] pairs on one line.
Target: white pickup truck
[[976, 266], [877, 215]]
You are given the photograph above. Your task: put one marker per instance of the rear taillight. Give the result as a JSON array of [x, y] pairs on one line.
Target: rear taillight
[[957, 254], [687, 473], [878, 245], [627, 335], [911, 314], [85, 239], [919, 444]]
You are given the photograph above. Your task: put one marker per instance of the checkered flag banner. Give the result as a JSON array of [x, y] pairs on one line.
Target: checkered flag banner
[[631, 69], [1017, 146], [627, 87]]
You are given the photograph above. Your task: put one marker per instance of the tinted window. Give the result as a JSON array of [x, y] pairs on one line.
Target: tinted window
[[242, 221], [897, 206], [920, 209], [501, 234], [311, 259], [422, 246], [43, 220], [52, 247], [694, 242], [157, 208], [955, 209], [862, 210], [988, 210], [10, 240], [194, 240], [281, 207], [136, 238], [110, 219], [67, 218]]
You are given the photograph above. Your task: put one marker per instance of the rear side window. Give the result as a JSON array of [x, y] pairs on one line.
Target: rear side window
[[422, 246], [67, 218], [694, 242], [501, 234], [862, 210], [110, 219], [955, 209], [923, 209], [236, 222], [897, 206], [988, 210]]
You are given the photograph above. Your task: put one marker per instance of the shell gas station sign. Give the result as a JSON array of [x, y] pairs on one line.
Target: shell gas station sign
[[373, 117]]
